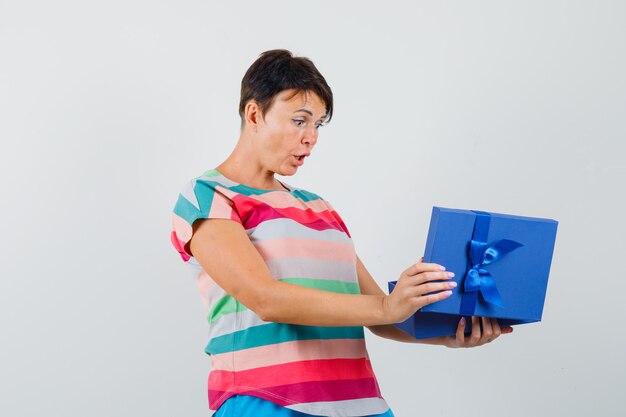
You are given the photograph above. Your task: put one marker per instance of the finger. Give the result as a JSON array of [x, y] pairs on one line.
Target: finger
[[425, 277], [431, 287], [433, 276], [405, 281], [412, 288], [475, 336], [487, 332], [497, 331], [423, 267], [506, 330], [431, 298], [460, 332]]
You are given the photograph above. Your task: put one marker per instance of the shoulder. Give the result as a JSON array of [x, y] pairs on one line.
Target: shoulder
[[205, 187], [204, 193]]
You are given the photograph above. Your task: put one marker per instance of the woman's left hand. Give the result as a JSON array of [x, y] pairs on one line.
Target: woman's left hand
[[490, 331]]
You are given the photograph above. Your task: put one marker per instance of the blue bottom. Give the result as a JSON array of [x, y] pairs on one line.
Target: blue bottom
[[249, 406]]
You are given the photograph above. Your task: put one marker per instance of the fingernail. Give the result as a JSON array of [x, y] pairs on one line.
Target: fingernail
[[448, 292], [452, 284], [462, 321], [441, 267], [450, 274]]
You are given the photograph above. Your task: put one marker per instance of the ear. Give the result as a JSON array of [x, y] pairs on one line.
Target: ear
[[252, 114]]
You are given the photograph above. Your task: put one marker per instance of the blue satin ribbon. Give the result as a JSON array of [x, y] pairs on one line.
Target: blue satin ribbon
[[481, 254]]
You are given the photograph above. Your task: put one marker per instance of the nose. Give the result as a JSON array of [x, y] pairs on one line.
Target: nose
[[310, 135]]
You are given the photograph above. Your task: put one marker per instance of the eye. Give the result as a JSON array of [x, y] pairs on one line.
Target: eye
[[298, 122]]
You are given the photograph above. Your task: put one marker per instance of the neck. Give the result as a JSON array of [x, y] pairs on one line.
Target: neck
[[243, 167]]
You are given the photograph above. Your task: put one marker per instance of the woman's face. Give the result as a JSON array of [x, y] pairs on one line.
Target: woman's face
[[289, 131]]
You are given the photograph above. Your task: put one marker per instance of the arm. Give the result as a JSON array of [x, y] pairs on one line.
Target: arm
[[225, 252], [490, 327]]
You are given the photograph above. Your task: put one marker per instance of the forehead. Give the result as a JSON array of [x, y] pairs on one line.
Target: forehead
[[293, 100]]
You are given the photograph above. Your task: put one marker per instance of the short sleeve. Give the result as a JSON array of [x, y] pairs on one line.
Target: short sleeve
[[199, 199]]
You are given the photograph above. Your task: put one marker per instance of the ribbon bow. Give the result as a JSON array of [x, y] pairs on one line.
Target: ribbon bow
[[480, 280]]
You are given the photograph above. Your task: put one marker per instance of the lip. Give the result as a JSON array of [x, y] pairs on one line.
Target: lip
[[299, 162]]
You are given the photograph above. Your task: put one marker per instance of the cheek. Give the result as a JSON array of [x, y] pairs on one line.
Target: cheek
[[276, 148], [272, 140], [283, 140]]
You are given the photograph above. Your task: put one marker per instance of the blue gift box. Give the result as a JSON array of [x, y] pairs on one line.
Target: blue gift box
[[501, 264]]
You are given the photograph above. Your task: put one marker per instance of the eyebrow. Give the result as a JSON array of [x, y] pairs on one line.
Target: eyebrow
[[310, 113]]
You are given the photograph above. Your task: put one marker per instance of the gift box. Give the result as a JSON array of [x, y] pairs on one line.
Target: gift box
[[501, 264]]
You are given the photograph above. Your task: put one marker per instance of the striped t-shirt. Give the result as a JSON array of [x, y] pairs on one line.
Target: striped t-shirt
[[312, 369]]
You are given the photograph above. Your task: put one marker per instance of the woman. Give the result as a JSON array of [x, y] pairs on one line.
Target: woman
[[287, 295]]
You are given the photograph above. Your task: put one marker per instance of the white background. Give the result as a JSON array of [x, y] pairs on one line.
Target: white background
[[107, 108]]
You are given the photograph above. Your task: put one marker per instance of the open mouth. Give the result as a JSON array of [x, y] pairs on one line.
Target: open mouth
[[299, 159]]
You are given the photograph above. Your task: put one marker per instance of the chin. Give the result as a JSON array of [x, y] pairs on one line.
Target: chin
[[287, 172]]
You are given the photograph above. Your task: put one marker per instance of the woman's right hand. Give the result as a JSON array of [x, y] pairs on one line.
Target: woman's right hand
[[409, 294]]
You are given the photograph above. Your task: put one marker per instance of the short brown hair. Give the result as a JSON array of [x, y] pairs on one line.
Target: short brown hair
[[277, 70]]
